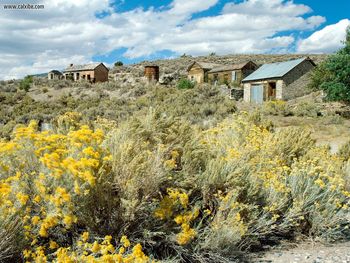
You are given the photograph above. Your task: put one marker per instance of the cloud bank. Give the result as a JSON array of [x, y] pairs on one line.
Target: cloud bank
[[35, 41]]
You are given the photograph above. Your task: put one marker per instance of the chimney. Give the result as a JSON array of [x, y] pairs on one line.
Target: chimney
[[71, 65]]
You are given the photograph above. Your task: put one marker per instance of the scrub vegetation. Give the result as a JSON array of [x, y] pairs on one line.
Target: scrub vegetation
[[158, 188], [149, 173]]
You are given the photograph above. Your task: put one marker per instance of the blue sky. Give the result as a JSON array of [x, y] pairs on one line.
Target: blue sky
[[83, 31], [333, 13]]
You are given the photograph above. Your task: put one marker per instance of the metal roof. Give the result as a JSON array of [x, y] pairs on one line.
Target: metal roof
[[204, 65], [230, 67], [91, 66], [275, 70]]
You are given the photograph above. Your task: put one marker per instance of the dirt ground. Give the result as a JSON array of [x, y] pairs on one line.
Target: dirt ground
[[307, 252], [330, 134]]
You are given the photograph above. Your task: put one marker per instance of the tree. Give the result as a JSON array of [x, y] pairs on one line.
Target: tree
[[333, 75], [118, 64], [26, 83]]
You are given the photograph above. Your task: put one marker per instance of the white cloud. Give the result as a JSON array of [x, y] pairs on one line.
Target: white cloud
[[68, 31], [267, 7], [326, 40]]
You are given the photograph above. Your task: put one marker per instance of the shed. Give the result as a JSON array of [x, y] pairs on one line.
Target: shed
[[152, 73], [282, 80], [198, 71], [55, 74], [231, 74], [94, 72]]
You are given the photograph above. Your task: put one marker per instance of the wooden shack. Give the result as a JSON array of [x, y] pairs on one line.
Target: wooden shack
[[283, 80], [152, 73], [198, 71], [55, 74], [94, 72], [231, 75]]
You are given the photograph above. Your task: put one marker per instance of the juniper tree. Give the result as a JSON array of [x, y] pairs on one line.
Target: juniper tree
[[333, 75]]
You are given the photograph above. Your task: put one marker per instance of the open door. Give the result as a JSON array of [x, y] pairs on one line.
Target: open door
[[271, 91]]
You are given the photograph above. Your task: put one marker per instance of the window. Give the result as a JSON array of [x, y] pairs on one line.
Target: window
[[234, 76]]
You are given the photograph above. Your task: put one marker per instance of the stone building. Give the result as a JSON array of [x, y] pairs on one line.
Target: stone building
[[95, 72], [231, 75], [198, 71], [54, 74], [282, 80]]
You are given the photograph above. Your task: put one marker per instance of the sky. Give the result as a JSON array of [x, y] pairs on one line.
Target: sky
[[84, 31]]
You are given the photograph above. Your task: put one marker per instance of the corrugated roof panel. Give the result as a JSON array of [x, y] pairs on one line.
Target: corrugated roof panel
[[90, 66], [274, 70], [229, 67]]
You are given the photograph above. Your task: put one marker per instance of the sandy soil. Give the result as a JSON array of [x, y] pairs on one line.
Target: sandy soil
[[306, 253]]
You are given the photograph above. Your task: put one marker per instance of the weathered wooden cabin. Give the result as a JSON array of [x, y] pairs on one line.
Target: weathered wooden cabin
[[231, 74], [152, 73], [94, 72], [282, 80], [198, 71], [55, 74]]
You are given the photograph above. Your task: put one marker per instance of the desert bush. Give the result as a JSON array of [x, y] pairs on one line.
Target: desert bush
[[276, 107], [271, 170], [185, 84], [177, 192], [11, 233], [334, 119], [26, 83], [344, 151], [306, 109]]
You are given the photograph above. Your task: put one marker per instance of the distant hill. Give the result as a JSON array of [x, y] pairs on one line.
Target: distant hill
[[40, 75], [180, 64]]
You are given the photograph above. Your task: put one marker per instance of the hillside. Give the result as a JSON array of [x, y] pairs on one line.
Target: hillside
[[169, 66]]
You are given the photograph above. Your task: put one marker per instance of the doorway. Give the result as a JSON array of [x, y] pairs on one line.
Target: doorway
[[271, 95]]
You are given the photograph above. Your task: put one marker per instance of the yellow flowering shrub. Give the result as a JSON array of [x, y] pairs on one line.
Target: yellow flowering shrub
[[43, 177], [272, 182], [175, 205], [156, 187]]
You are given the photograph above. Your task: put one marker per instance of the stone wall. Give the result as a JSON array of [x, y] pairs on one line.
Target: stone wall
[[280, 86], [296, 81], [246, 95]]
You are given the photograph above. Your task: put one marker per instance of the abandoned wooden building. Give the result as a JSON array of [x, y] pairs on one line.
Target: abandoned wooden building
[[231, 75], [55, 74], [95, 72], [198, 71], [282, 81], [152, 73]]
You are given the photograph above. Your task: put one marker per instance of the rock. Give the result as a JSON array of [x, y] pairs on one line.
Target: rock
[[167, 79]]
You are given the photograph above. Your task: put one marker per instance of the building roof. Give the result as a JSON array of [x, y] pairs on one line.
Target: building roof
[[90, 66], [275, 70], [204, 65], [57, 72], [230, 67]]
